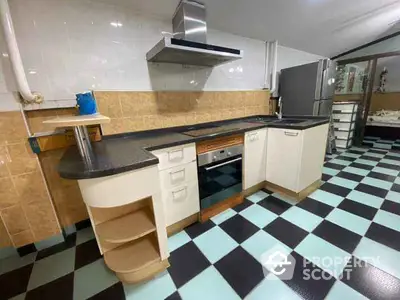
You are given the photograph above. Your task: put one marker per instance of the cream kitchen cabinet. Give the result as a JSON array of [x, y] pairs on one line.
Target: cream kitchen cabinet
[[178, 181], [295, 157], [255, 155]]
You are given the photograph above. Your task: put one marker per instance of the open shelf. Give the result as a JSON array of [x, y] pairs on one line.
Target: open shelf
[[134, 256], [127, 228]]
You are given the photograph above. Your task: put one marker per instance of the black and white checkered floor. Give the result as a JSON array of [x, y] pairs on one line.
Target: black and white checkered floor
[[371, 141], [353, 220]]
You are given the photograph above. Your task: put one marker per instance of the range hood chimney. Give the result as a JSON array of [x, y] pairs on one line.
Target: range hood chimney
[[189, 44]]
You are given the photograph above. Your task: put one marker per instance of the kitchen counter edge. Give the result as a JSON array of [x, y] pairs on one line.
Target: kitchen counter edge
[[137, 149]]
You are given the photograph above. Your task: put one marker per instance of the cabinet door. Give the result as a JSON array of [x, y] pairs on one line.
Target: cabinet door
[[181, 202], [283, 157], [255, 146]]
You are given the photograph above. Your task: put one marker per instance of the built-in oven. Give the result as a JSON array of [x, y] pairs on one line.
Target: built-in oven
[[220, 175]]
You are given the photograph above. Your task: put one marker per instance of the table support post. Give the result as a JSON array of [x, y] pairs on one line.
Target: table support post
[[83, 143]]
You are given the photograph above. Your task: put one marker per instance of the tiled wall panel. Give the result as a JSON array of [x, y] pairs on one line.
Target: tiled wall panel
[[136, 111], [25, 206]]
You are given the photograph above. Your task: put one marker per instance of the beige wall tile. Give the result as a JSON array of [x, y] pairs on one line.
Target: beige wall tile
[[108, 104], [202, 101], [41, 218], [20, 160], [14, 219], [235, 99], [134, 124], [216, 115], [4, 160], [23, 238], [31, 187], [12, 128], [152, 122], [203, 117], [190, 118], [114, 127], [152, 110], [8, 194], [130, 104], [5, 240], [221, 100], [261, 98], [249, 98], [238, 112], [265, 110], [69, 204]]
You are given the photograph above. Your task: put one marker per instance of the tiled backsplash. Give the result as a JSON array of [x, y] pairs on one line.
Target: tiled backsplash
[[25, 206], [136, 111]]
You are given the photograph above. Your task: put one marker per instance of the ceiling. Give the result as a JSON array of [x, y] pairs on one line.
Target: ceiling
[[324, 27]]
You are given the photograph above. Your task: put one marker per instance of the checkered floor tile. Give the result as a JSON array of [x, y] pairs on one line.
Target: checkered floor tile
[[353, 218], [376, 142]]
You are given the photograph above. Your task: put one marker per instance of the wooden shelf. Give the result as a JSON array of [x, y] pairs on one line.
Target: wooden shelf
[[127, 228], [134, 256], [70, 121]]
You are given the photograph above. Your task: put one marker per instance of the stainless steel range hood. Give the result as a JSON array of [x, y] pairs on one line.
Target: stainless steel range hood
[[189, 44]]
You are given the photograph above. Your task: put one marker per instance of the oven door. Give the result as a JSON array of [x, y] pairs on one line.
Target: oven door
[[220, 180]]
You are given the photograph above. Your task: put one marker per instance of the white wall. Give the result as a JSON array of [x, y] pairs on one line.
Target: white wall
[[289, 57], [70, 46]]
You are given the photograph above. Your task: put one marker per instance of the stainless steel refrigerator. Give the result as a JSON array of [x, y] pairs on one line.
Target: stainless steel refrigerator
[[308, 89]]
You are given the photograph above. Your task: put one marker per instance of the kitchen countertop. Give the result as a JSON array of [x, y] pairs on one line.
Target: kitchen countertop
[[125, 152]]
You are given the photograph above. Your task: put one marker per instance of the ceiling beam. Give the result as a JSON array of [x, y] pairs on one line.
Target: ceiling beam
[[367, 45]]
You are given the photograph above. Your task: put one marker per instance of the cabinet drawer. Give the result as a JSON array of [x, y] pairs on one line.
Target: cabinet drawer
[[181, 202], [343, 117], [175, 156], [344, 134], [345, 107], [344, 143], [176, 176], [345, 126]]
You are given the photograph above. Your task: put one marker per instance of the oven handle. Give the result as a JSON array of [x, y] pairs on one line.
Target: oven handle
[[223, 164]]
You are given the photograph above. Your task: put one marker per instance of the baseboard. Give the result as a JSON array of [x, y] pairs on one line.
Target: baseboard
[[293, 195], [253, 189], [179, 226]]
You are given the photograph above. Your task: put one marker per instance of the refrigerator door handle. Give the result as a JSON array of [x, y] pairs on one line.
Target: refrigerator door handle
[[320, 75], [316, 108]]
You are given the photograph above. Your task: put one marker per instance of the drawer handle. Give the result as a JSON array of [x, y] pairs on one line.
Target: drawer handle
[[179, 194], [223, 164], [176, 178], [175, 155], [291, 133]]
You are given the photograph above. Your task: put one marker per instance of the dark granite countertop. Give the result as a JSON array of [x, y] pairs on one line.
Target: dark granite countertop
[[124, 152]]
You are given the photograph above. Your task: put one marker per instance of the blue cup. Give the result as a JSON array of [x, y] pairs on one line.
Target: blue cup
[[86, 103]]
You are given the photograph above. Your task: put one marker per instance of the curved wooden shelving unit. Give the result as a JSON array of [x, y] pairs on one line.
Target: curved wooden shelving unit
[[136, 261], [127, 228]]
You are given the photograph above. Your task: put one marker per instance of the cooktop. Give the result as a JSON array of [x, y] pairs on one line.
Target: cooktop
[[208, 131]]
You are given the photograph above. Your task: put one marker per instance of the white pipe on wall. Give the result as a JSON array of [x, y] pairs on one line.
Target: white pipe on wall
[[266, 71], [274, 72], [15, 56]]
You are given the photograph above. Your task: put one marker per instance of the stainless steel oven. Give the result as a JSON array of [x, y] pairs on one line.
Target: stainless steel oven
[[220, 175]]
